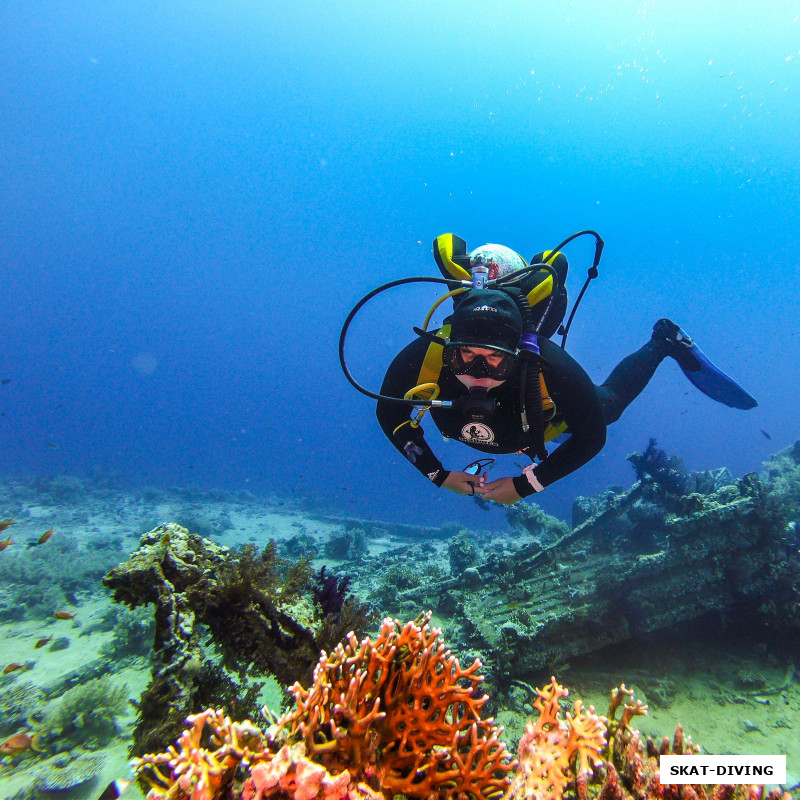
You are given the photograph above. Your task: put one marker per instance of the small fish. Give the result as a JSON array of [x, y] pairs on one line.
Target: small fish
[[19, 743], [43, 538], [114, 789], [64, 615], [764, 433], [13, 667], [6, 524], [5, 544], [43, 642]]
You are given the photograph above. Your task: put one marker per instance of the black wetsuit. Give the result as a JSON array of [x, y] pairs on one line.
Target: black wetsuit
[[585, 408]]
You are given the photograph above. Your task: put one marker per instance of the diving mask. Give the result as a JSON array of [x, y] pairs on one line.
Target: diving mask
[[463, 360]]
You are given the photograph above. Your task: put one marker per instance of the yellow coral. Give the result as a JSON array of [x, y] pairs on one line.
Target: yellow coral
[[552, 743], [197, 772]]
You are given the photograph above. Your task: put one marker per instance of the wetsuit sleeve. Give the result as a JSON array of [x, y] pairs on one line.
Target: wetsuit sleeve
[[410, 442], [578, 404]]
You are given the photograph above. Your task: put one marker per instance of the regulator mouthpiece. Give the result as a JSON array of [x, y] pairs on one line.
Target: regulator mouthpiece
[[479, 407]]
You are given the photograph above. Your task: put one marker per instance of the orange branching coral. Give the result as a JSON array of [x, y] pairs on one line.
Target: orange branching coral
[[197, 772], [400, 713], [552, 743]]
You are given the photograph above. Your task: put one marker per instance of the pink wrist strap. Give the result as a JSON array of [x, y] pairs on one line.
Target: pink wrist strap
[[532, 479]]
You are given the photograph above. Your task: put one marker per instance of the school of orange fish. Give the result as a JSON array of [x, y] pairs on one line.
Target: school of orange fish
[[20, 742]]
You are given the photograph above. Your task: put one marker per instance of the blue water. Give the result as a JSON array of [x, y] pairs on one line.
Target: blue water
[[194, 194]]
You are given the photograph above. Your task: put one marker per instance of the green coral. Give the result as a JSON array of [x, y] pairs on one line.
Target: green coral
[[18, 702], [529, 518], [462, 552], [398, 578], [64, 773], [87, 713], [38, 581], [783, 472], [133, 633]]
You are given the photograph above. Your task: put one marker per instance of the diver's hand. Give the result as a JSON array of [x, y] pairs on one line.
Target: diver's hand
[[465, 483], [501, 491]]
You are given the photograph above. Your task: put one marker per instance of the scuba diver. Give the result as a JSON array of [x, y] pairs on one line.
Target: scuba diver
[[492, 378]]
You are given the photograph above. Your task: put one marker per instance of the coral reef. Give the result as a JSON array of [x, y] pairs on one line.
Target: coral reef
[[581, 755], [529, 518], [196, 771], [349, 545], [38, 581], [462, 552], [630, 767], [65, 773], [396, 710], [640, 561], [783, 472], [291, 775], [132, 634], [330, 593], [172, 569], [392, 718], [667, 471], [18, 702]]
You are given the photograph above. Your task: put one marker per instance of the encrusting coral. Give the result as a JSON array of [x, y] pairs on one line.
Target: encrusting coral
[[399, 717], [258, 609]]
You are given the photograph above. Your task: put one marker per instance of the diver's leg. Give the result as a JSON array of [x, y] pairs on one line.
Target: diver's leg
[[633, 373], [629, 377]]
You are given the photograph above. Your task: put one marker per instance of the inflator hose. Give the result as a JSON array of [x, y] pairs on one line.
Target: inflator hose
[[343, 336]]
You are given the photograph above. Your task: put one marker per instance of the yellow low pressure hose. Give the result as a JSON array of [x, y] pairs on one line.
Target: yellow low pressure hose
[[433, 390], [438, 303]]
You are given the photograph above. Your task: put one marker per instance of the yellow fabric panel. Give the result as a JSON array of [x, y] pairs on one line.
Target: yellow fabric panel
[[541, 291], [432, 363], [547, 402], [551, 431], [549, 257], [444, 243]]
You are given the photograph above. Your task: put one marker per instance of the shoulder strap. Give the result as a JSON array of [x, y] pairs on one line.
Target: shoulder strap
[[432, 363]]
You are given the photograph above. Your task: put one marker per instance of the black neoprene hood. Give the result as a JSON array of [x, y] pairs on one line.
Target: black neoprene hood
[[489, 318]]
